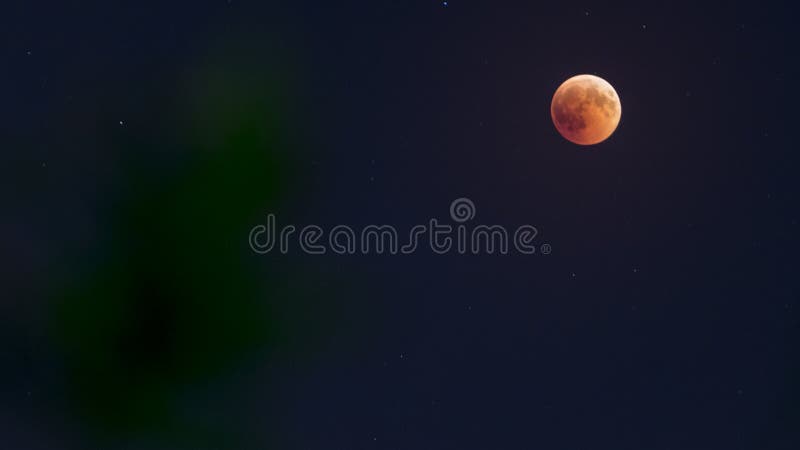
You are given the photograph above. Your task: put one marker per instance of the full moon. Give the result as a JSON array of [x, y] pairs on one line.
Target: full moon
[[586, 109]]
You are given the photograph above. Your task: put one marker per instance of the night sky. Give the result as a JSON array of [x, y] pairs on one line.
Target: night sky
[[141, 141]]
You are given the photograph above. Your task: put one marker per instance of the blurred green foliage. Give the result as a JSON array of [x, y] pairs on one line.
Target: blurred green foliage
[[175, 298]]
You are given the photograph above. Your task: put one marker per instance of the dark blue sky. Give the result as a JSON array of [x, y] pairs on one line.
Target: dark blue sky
[[141, 140]]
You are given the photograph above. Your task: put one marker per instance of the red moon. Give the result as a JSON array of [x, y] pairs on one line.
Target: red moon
[[586, 109]]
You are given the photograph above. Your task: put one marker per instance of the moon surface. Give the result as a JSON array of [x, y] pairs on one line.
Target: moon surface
[[586, 109]]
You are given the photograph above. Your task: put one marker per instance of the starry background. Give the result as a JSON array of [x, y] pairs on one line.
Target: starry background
[[142, 140]]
